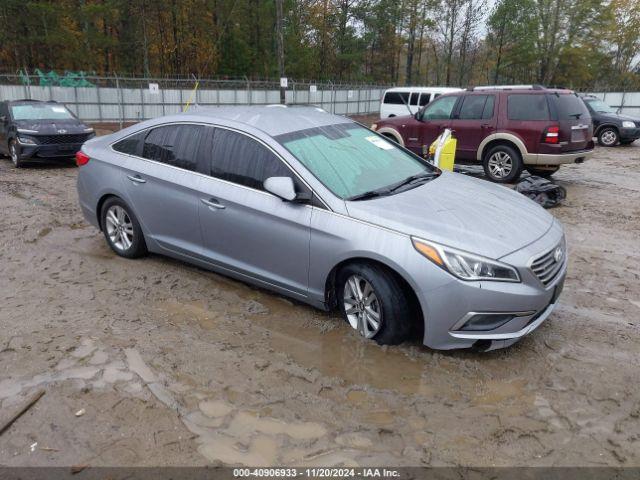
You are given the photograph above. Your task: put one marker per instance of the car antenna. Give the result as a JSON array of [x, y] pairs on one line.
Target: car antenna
[[193, 98], [406, 102]]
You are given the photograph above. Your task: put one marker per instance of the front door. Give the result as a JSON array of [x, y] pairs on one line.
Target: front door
[[431, 122], [473, 120], [246, 229]]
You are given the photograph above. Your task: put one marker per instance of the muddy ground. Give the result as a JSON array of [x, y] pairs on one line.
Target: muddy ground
[[167, 364]]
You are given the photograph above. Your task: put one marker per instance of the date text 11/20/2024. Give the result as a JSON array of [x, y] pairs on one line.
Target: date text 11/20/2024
[[316, 472]]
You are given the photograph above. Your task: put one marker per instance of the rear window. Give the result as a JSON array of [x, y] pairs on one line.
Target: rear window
[[396, 98], [527, 107], [569, 106]]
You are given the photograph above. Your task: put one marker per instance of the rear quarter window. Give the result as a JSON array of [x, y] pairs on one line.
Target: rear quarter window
[[131, 145], [527, 107], [396, 98]]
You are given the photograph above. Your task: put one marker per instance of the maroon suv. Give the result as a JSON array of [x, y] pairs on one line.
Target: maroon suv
[[505, 128]]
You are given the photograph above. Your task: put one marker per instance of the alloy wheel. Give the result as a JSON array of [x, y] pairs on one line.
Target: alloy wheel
[[362, 307], [500, 164], [119, 228], [609, 138]]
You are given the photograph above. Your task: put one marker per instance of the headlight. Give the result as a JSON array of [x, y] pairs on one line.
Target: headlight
[[628, 124], [465, 265], [374, 126], [26, 130], [26, 141], [88, 129]]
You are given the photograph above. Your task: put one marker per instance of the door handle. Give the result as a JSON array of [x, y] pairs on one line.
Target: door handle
[[213, 203], [136, 179]]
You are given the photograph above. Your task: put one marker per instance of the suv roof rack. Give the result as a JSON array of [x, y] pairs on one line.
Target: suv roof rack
[[509, 87], [32, 100]]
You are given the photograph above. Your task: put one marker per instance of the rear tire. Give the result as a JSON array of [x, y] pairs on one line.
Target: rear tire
[[542, 172], [608, 137], [121, 229], [502, 164], [373, 302]]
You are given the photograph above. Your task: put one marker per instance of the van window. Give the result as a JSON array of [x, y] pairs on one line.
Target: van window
[[396, 98], [527, 107], [424, 99], [414, 98]]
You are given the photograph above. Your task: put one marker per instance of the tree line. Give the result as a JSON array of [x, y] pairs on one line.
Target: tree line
[[574, 43]]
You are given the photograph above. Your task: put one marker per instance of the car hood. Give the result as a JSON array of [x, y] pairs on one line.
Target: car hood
[[462, 212], [53, 127], [617, 117]]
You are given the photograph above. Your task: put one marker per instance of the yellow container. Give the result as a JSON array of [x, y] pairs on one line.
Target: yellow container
[[448, 154]]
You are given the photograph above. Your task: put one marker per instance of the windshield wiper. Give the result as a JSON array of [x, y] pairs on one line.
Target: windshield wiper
[[413, 179], [381, 192]]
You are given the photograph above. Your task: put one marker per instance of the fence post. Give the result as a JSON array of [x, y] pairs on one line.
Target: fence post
[[248, 90], [332, 102], [142, 117], [162, 101], [75, 98], [99, 101], [119, 95]]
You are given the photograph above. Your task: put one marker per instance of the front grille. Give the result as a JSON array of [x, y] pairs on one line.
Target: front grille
[[547, 266], [62, 139]]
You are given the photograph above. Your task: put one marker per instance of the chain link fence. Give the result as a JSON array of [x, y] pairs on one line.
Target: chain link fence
[[126, 99]]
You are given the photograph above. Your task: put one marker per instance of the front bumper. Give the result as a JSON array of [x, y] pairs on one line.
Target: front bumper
[[48, 152], [629, 134], [446, 307]]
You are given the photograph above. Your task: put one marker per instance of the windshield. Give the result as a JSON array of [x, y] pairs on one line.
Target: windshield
[[40, 111], [351, 160], [599, 106]]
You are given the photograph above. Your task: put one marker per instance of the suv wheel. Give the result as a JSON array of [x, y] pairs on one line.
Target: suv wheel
[[502, 164], [14, 153], [121, 229], [374, 303], [542, 172], [608, 137]]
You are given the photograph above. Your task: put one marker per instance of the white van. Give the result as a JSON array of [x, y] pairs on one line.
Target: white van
[[395, 100]]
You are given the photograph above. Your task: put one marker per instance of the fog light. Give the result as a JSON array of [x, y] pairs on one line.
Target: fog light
[[487, 321]]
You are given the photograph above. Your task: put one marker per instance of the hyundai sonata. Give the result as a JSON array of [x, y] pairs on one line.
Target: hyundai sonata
[[317, 207]]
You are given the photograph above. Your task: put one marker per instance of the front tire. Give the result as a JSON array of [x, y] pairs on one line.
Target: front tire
[[542, 172], [608, 137], [14, 153], [121, 229], [502, 164], [374, 303]]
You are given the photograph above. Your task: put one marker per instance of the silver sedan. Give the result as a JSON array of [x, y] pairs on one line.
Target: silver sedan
[[316, 207]]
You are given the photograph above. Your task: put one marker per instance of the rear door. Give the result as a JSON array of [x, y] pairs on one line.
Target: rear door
[[162, 186], [572, 115], [246, 229], [474, 119]]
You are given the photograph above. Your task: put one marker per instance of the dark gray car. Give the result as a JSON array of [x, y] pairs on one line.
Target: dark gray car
[[319, 208]]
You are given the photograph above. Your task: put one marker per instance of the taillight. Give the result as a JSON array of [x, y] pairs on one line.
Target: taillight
[[82, 159], [551, 134]]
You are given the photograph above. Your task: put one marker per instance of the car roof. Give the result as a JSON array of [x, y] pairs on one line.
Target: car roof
[[273, 120], [424, 89]]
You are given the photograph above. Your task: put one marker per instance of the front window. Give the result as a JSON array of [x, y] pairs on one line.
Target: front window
[[599, 106], [40, 111], [351, 160], [440, 109]]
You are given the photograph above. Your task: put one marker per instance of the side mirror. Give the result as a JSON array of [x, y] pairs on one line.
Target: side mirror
[[282, 187]]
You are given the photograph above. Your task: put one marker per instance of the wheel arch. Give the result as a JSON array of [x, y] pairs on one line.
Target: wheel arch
[[502, 139], [602, 126], [391, 132], [330, 284]]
